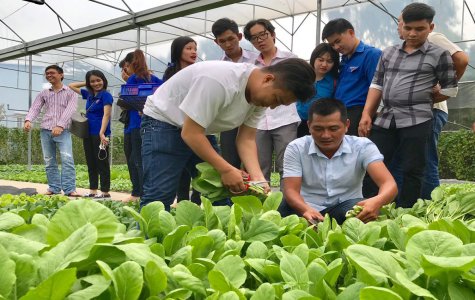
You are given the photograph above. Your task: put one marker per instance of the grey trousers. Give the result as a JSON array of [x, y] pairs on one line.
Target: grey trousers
[[274, 141]]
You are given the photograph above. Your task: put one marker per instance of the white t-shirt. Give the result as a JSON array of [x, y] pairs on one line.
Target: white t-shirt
[[443, 42], [283, 114], [211, 93]]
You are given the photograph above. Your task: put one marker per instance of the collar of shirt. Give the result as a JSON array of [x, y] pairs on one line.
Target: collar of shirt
[[63, 87], [422, 48], [98, 95], [278, 54], [327, 77], [360, 48], [245, 56], [344, 148]]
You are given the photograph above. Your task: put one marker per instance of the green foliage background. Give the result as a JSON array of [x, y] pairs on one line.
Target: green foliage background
[[456, 151], [14, 145], [457, 155]]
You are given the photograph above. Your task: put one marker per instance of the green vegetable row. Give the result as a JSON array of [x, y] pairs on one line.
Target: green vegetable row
[[248, 251]]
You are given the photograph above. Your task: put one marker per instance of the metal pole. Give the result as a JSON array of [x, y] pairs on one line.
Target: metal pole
[[292, 35], [463, 17], [319, 20], [30, 97], [138, 37]]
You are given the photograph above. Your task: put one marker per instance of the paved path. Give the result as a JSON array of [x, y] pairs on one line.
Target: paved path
[[42, 188]]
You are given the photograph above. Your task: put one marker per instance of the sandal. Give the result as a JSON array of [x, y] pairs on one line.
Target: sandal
[[89, 195], [73, 194], [50, 193], [131, 199], [102, 196]]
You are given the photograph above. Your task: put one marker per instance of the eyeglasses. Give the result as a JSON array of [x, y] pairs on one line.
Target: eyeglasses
[[51, 73], [261, 36]]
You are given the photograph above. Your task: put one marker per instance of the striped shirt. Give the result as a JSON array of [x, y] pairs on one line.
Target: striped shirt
[[406, 81], [59, 106]]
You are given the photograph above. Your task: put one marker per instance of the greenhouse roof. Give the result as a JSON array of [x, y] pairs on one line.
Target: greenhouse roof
[[76, 29], [104, 26]]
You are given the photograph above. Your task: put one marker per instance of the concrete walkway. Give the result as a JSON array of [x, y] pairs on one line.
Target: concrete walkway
[[42, 188]]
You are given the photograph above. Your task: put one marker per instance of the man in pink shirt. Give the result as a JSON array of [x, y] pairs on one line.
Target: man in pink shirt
[[278, 127], [59, 102]]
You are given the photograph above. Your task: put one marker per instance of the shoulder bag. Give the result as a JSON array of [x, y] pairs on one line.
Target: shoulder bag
[[79, 125]]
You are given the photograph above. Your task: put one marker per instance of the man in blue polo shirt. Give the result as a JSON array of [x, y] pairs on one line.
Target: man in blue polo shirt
[[357, 67], [324, 171]]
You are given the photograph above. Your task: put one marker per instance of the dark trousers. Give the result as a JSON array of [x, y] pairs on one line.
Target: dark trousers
[[431, 172], [409, 144], [337, 211], [97, 168], [183, 190], [302, 130], [354, 115], [229, 151], [133, 156]]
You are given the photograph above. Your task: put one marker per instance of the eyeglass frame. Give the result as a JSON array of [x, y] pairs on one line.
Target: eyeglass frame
[[260, 36]]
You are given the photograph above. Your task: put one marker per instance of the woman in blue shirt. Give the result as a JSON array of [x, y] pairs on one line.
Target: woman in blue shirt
[[325, 61], [96, 146], [139, 73], [182, 54]]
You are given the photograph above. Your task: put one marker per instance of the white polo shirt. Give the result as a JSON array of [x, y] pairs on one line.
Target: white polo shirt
[[211, 93]]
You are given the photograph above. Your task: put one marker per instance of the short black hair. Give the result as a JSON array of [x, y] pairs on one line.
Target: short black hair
[[127, 59], [326, 48], [57, 68], [417, 12], [222, 25], [326, 107], [266, 23], [337, 26], [295, 75]]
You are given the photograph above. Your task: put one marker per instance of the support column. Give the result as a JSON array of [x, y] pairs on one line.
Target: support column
[[30, 98], [319, 21]]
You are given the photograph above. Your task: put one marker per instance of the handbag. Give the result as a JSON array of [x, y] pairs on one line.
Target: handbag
[[124, 118], [79, 124]]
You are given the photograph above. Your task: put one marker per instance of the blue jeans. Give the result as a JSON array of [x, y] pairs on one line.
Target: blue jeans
[[431, 172], [164, 157], [337, 211], [67, 180]]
